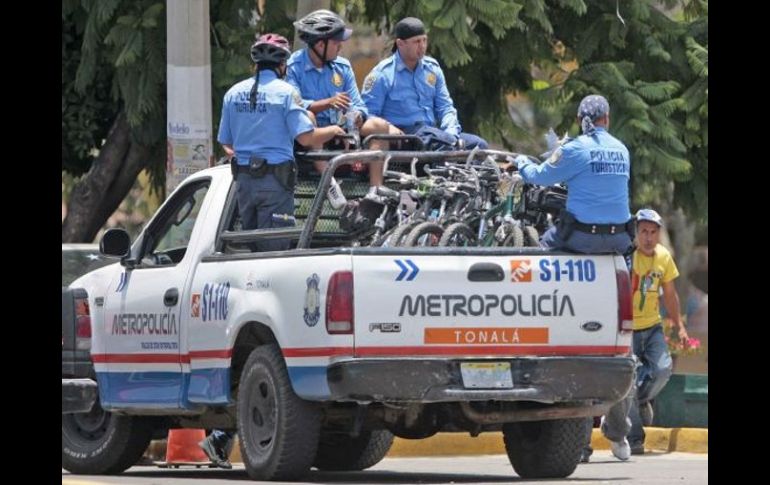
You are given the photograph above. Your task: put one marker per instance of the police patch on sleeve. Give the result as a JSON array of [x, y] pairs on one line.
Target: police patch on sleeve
[[555, 157], [430, 78], [337, 79], [369, 82]]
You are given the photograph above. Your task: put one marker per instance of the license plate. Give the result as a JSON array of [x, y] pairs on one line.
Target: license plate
[[486, 375]]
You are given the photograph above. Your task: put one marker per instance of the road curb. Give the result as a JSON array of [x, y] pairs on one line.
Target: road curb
[[688, 440]]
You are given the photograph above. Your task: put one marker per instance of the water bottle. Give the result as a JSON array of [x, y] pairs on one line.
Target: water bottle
[[336, 197], [350, 125], [334, 117]]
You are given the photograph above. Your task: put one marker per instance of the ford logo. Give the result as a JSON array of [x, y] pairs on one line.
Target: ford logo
[[591, 326]]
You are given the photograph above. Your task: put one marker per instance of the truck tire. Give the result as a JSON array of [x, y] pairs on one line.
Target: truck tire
[[278, 430], [458, 234], [545, 449], [102, 443], [339, 452]]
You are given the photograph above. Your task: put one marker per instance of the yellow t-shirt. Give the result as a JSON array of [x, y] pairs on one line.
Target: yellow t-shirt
[[649, 273]]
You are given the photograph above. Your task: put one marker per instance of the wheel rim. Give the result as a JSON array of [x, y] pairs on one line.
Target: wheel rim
[[91, 425], [262, 414]]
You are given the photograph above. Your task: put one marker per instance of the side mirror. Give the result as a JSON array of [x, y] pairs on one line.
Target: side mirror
[[115, 242]]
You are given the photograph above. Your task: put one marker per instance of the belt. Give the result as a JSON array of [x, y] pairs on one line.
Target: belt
[[267, 167], [600, 228]]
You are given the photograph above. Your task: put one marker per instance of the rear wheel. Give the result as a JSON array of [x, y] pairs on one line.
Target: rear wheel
[[545, 449], [458, 234], [531, 237], [514, 239], [278, 430], [101, 443], [341, 452], [399, 234], [425, 234]]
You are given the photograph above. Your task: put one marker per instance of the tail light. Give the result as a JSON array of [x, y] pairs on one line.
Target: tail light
[[625, 307], [339, 303], [82, 324]]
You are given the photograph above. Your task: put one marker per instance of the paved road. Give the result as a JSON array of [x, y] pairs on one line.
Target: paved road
[[649, 469]]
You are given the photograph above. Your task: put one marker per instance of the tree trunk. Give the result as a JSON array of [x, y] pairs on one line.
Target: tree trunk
[[99, 193], [684, 244]]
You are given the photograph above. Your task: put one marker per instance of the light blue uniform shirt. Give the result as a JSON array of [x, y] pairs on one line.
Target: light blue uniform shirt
[[596, 169], [406, 98], [268, 131], [314, 84]]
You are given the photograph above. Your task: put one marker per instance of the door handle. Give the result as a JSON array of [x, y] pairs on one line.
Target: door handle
[[171, 297], [486, 272]]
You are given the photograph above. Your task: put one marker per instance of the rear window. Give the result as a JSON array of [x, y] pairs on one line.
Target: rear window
[[76, 262]]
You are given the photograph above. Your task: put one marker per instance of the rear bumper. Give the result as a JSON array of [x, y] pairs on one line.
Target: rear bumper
[[602, 380], [78, 395]]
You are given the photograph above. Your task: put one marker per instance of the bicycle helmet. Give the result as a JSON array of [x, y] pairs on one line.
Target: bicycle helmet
[[270, 48], [322, 25]]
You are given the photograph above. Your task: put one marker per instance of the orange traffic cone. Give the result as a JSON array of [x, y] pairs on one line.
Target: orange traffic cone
[[183, 446]]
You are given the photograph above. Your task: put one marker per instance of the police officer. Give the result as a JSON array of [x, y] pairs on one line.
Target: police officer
[[596, 167], [409, 89], [261, 117], [327, 83]]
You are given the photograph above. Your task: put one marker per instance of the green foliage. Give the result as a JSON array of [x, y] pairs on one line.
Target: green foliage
[[652, 66]]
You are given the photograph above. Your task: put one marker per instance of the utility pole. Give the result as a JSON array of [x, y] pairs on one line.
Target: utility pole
[[188, 76]]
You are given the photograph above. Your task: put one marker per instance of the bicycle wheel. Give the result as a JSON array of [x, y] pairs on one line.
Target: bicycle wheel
[[425, 234], [458, 234]]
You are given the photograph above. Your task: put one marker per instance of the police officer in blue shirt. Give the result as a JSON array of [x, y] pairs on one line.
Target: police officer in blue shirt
[[261, 118], [409, 89], [327, 83], [596, 167]]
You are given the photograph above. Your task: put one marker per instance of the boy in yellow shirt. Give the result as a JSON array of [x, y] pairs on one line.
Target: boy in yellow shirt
[[653, 271]]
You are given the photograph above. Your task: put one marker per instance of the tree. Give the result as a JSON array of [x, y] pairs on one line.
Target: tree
[[114, 90], [652, 67], [654, 70], [113, 71]]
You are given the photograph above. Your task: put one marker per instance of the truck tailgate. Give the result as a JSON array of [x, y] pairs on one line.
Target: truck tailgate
[[472, 305]]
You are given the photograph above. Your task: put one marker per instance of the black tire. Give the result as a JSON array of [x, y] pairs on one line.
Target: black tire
[[458, 234], [101, 443], [545, 449], [531, 237], [278, 431], [514, 239], [430, 229], [339, 452], [400, 233]]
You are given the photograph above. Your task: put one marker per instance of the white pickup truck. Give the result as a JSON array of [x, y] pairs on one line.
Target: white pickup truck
[[317, 356]]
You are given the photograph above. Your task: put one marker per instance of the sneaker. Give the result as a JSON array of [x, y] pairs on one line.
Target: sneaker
[[621, 449], [374, 196], [216, 456], [585, 455], [336, 197], [646, 413], [637, 448]]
